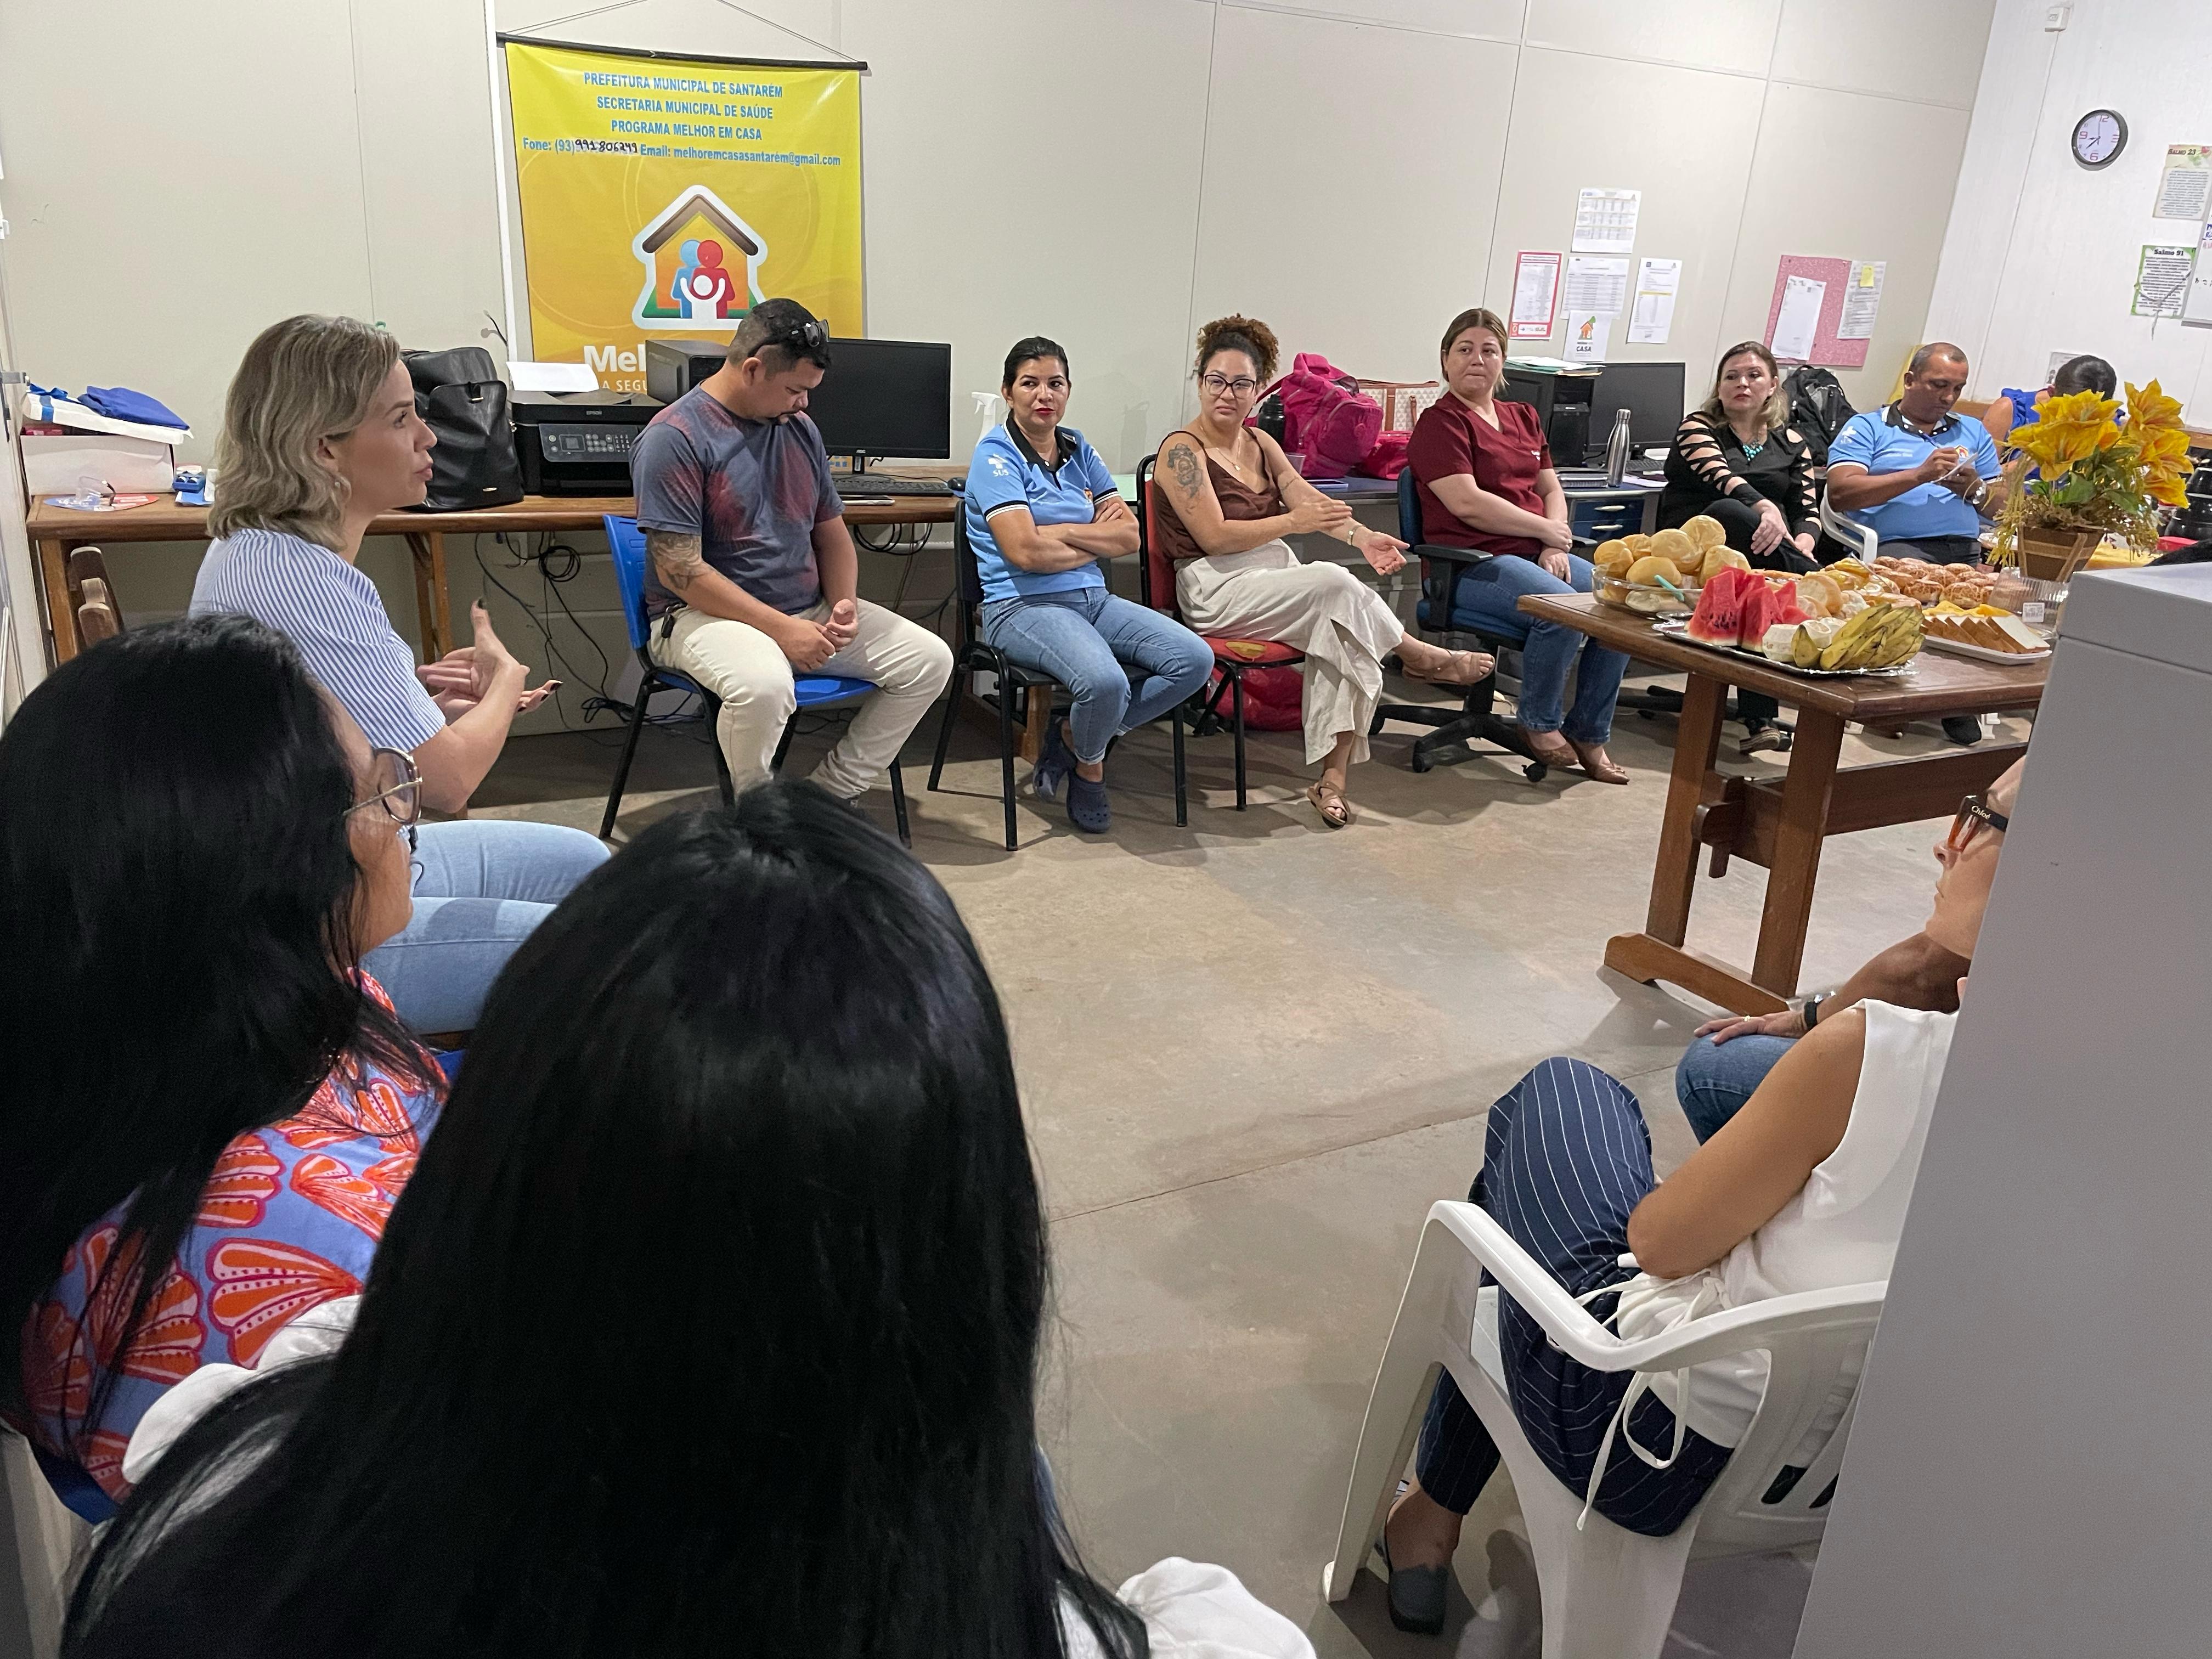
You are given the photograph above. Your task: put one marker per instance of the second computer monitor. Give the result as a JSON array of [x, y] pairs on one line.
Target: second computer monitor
[[1652, 395], [887, 398]]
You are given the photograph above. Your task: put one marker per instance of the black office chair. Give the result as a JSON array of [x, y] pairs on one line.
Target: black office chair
[[1476, 719], [1011, 679]]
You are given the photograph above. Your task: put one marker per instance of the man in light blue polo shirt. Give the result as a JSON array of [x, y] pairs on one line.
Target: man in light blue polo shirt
[[1042, 513], [1922, 478]]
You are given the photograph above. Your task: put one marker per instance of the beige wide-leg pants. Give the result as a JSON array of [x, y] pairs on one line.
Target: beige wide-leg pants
[[748, 671], [1343, 625]]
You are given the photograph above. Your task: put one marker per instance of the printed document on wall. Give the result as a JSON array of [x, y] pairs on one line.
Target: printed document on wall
[[2196, 308], [1599, 285], [2184, 184], [1652, 317], [2162, 281], [1861, 298], [1535, 295], [1802, 299], [1605, 221], [1587, 334]]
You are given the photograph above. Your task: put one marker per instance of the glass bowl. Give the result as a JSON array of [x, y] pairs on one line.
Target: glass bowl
[[1644, 598]]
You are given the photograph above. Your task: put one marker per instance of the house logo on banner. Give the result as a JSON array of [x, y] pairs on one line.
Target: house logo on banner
[[702, 263]]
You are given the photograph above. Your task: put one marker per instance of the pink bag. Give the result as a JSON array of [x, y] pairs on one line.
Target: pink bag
[[1327, 419], [1388, 459]]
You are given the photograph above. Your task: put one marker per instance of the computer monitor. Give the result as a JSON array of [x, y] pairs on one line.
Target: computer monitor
[[1652, 395], [885, 398]]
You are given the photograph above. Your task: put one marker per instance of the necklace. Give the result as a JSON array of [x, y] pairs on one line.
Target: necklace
[[1751, 451], [1228, 459]]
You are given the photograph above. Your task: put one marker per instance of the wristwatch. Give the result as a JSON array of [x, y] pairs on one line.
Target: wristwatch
[[1811, 1012], [1978, 494]]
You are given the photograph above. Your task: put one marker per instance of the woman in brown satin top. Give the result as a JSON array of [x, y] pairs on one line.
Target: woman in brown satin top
[[1228, 497]]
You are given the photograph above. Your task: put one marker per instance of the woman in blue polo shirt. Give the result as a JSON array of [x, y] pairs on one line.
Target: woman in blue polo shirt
[[1042, 512]]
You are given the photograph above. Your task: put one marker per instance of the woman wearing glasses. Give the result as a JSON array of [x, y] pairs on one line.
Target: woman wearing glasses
[[1228, 497], [1804, 1189], [198, 849], [1486, 482], [320, 437]]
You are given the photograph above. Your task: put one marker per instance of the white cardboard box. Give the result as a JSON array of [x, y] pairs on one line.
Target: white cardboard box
[[54, 461]]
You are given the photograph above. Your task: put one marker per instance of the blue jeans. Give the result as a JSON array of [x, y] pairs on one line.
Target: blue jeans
[[1565, 1157], [481, 885], [1485, 595], [1715, 1078], [1082, 637]]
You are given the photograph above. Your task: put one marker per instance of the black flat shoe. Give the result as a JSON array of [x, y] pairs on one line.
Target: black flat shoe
[[1416, 1594]]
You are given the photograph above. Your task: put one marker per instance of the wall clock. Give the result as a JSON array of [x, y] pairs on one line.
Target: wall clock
[[2099, 137]]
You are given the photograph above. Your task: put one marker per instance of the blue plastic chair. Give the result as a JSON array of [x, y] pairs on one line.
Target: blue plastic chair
[[626, 541]]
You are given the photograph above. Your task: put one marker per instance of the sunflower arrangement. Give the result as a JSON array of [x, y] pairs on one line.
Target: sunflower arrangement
[[2077, 468]]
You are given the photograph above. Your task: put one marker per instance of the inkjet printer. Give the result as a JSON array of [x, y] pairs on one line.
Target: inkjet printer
[[578, 443]]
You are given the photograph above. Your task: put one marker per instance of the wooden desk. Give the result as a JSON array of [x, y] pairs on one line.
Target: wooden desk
[[56, 531], [1781, 824]]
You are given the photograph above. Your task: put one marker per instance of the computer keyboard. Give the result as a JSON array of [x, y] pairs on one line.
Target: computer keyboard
[[883, 483]]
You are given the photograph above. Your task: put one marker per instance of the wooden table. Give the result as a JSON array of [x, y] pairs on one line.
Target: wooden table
[[57, 530], [1780, 824]]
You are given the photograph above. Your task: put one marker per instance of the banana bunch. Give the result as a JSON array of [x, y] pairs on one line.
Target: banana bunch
[[1880, 636]]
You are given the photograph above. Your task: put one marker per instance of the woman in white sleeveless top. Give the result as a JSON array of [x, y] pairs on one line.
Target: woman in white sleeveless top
[[1804, 1189]]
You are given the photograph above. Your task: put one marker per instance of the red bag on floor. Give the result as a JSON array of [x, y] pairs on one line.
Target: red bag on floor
[[1326, 418], [1388, 459], [1274, 699]]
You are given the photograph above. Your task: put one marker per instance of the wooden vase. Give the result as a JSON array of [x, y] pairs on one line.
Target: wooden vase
[[2053, 556]]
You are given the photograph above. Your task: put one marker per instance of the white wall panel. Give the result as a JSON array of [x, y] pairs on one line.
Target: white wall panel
[[1687, 213], [1928, 51], [1387, 230], [1495, 20], [1735, 35], [1035, 172], [1795, 203]]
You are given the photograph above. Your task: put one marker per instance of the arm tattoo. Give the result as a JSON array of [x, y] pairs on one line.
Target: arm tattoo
[[676, 559], [1185, 466]]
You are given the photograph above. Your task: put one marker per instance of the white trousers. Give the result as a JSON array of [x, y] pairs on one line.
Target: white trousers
[[748, 671], [1344, 625]]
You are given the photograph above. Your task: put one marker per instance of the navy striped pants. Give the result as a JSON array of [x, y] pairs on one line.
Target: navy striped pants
[[1567, 1157]]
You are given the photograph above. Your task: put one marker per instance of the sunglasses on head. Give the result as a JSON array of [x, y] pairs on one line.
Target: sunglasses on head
[[807, 335], [1974, 811]]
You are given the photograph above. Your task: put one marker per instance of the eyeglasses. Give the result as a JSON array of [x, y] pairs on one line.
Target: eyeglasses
[[1974, 811], [396, 786], [1215, 385]]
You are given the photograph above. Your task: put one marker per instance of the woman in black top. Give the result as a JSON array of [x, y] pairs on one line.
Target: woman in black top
[[1737, 458]]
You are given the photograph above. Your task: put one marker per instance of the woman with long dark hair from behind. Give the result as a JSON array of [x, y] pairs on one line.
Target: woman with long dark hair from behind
[[709, 1325], [197, 848]]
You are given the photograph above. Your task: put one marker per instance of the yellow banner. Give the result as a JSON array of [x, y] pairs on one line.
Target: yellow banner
[[665, 197]]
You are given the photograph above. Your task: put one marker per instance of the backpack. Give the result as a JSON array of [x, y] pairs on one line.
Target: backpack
[[1327, 419], [1818, 407], [460, 397], [1388, 459]]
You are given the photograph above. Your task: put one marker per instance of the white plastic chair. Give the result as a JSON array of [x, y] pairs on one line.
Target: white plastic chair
[[1606, 1593], [44, 1542], [1859, 537]]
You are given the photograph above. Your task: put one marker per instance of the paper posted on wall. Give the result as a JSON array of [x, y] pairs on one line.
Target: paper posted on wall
[[1651, 317], [1588, 335], [1862, 299], [2196, 304], [1535, 295], [1793, 330], [1599, 285], [2162, 277], [1605, 221], [2184, 184]]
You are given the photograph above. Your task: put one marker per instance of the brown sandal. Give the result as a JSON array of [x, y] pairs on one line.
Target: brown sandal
[[1463, 670], [1595, 764], [1329, 801]]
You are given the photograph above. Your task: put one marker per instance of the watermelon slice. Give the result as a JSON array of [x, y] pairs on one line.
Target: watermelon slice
[[1767, 603], [1718, 619]]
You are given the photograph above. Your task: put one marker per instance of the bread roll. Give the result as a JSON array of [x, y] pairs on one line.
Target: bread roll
[[1723, 558], [1650, 569], [1675, 546], [1613, 556], [1705, 531], [1639, 543], [1820, 594]]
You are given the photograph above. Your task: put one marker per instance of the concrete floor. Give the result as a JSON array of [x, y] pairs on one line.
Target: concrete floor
[[1255, 1051]]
